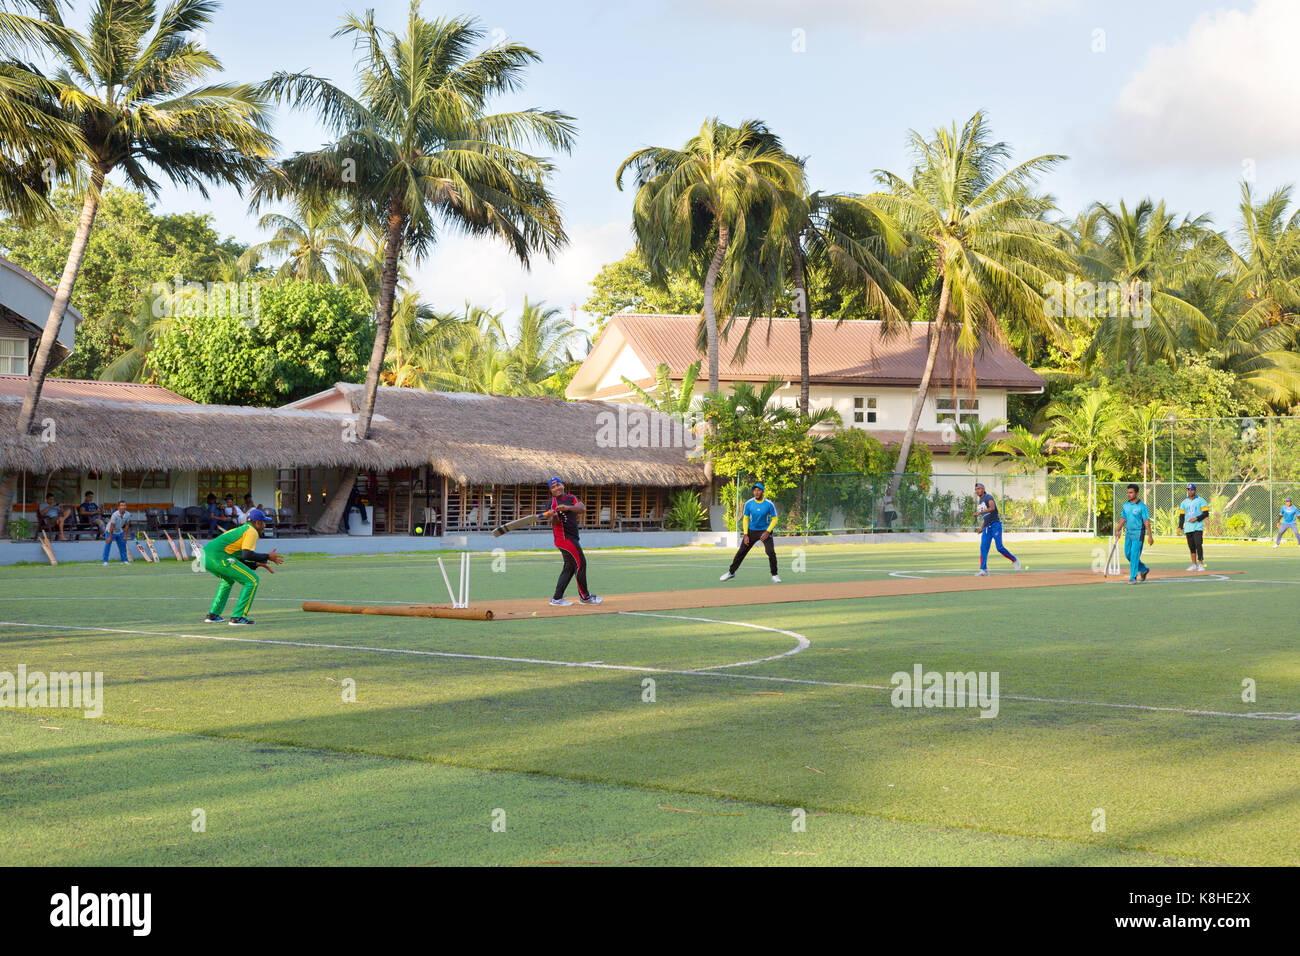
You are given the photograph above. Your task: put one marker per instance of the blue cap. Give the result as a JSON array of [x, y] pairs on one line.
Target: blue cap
[[555, 480], [758, 485], [257, 514], [1192, 486]]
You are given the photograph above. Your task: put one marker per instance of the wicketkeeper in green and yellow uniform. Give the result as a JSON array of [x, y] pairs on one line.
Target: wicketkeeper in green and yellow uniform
[[233, 557]]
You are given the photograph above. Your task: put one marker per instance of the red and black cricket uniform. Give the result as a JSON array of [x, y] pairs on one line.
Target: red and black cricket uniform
[[564, 527]]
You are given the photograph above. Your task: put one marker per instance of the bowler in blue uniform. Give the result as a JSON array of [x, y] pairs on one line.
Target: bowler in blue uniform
[[986, 509], [1135, 523], [757, 522]]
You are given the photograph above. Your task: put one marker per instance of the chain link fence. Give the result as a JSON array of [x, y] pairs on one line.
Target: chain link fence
[[1241, 510], [1226, 450], [862, 504]]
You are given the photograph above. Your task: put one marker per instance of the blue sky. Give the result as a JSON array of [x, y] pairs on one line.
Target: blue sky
[[1172, 98]]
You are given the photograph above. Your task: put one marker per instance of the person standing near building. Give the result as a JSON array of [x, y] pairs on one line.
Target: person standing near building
[[119, 522], [757, 522], [1286, 521], [1191, 522]]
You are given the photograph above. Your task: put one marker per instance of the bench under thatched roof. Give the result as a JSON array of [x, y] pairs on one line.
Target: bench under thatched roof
[[472, 439]]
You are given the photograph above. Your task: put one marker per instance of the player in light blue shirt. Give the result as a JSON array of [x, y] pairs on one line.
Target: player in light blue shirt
[[1191, 521], [1135, 524], [757, 523], [1286, 521]]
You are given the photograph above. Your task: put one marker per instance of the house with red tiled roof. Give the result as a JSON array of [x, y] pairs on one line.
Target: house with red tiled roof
[[24, 306], [869, 378]]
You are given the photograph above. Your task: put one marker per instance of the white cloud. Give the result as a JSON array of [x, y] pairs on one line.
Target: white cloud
[[484, 273], [1224, 93]]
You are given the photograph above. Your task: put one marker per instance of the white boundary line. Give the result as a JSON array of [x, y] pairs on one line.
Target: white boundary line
[[699, 672]]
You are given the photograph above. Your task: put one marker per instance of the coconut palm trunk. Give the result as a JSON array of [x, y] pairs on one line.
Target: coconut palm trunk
[[805, 328], [918, 403], [710, 317], [62, 296], [332, 516]]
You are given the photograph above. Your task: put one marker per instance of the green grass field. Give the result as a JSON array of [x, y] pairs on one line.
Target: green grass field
[[1104, 698]]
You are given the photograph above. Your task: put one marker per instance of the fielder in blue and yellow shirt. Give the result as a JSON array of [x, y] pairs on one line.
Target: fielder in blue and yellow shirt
[[1191, 520], [1134, 524], [757, 523], [1286, 521]]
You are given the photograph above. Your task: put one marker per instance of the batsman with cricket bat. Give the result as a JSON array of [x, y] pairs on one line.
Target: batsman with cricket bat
[[563, 514]]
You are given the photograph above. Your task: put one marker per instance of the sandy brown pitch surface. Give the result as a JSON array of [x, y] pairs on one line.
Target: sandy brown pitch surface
[[728, 595]]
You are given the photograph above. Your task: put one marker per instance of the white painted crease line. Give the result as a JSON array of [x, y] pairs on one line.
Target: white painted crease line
[[701, 672]]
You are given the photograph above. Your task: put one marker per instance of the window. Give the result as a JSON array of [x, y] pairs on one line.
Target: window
[[13, 356], [965, 412], [133, 480], [222, 483], [864, 409]]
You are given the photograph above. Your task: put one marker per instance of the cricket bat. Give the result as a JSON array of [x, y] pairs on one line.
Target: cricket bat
[[518, 523], [153, 554], [143, 554], [194, 545], [44, 539], [172, 545]]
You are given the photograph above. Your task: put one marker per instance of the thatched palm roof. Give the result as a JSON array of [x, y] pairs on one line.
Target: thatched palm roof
[[485, 439]]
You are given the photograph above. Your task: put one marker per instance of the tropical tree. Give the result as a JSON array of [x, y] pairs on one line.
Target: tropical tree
[[1086, 431], [852, 247], [1146, 258], [127, 85], [313, 243], [417, 153], [1029, 452], [984, 238], [720, 199], [38, 144], [667, 397], [415, 323], [975, 441]]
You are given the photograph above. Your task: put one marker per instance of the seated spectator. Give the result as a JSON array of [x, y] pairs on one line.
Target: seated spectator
[[90, 512], [355, 500], [249, 506], [212, 514], [231, 516], [54, 515]]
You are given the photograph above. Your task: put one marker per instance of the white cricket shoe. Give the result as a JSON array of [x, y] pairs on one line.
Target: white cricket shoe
[[981, 573], [1193, 567], [1201, 567], [589, 599], [560, 602], [726, 577], [106, 563], [776, 579], [1018, 566]]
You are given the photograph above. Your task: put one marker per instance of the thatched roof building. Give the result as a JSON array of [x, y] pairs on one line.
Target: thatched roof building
[[471, 439]]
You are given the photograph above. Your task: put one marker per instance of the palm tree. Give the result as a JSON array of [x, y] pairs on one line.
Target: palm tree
[[126, 85], [540, 347], [1150, 258], [417, 153], [975, 223], [720, 196], [1087, 431], [851, 246], [37, 143], [667, 397], [316, 244], [1255, 308], [1028, 452], [975, 440], [414, 323]]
